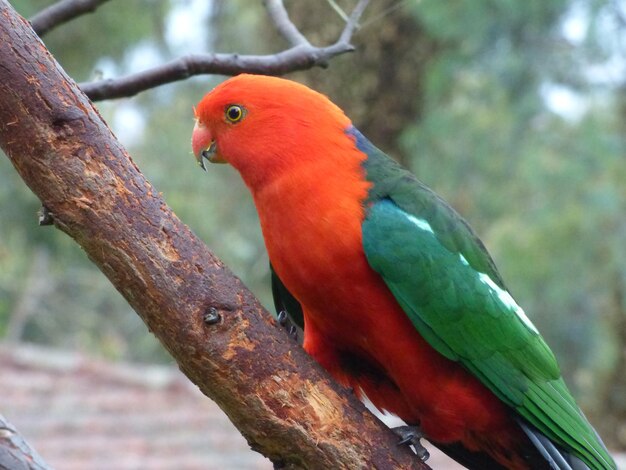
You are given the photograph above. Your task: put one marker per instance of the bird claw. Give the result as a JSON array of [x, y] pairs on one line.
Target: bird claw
[[288, 325], [412, 435], [282, 318], [293, 332]]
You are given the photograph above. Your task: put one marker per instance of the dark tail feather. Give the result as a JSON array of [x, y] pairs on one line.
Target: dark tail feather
[[557, 458], [467, 458]]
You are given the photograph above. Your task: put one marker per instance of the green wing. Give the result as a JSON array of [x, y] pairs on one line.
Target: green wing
[[448, 285]]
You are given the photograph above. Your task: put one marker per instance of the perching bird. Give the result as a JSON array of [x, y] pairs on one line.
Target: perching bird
[[401, 300]]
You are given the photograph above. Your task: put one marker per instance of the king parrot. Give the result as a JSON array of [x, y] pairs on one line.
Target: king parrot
[[399, 298]]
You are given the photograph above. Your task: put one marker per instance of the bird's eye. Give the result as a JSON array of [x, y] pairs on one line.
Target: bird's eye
[[234, 113]]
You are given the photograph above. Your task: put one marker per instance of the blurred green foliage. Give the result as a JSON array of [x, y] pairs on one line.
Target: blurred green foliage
[[513, 111]]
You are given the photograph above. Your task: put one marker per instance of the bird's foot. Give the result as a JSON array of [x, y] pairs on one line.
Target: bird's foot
[[412, 435], [45, 216], [282, 318]]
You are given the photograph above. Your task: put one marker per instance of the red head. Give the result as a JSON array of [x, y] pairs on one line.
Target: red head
[[264, 125]]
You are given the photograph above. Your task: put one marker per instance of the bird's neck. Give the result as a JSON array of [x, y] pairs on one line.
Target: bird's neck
[[311, 193], [313, 213]]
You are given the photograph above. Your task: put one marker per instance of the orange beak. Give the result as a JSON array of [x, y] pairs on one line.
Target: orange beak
[[203, 145]]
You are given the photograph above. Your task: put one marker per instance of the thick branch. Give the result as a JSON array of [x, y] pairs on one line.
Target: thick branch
[[15, 453], [62, 12], [283, 403], [301, 56]]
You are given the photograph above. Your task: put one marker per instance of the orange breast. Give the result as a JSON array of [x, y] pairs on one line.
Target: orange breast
[[313, 235]]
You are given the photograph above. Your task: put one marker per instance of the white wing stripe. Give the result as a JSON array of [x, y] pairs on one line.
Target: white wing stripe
[[508, 301]]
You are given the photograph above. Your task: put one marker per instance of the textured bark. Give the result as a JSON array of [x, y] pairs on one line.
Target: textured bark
[[283, 403], [15, 453]]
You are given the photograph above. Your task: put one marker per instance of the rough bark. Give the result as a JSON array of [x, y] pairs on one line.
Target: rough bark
[[283, 403], [15, 453]]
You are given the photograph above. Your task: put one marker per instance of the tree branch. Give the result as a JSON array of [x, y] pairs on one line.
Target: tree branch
[[282, 402], [296, 58], [278, 13], [353, 22], [62, 12], [15, 452], [301, 56]]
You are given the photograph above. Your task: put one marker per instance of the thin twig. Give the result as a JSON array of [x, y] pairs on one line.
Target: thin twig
[[296, 58], [299, 57], [62, 12], [278, 13], [383, 14], [353, 22], [333, 4]]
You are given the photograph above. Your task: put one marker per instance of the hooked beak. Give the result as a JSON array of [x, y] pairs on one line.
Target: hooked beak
[[204, 146], [206, 154]]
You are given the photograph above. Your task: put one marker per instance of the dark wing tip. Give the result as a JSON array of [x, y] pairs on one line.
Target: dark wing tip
[[557, 457]]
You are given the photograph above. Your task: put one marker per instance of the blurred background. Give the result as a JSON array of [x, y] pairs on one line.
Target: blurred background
[[513, 111]]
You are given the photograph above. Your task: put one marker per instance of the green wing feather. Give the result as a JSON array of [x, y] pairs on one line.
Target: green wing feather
[[448, 285]]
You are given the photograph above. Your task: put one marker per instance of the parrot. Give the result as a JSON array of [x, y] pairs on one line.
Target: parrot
[[396, 296]]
